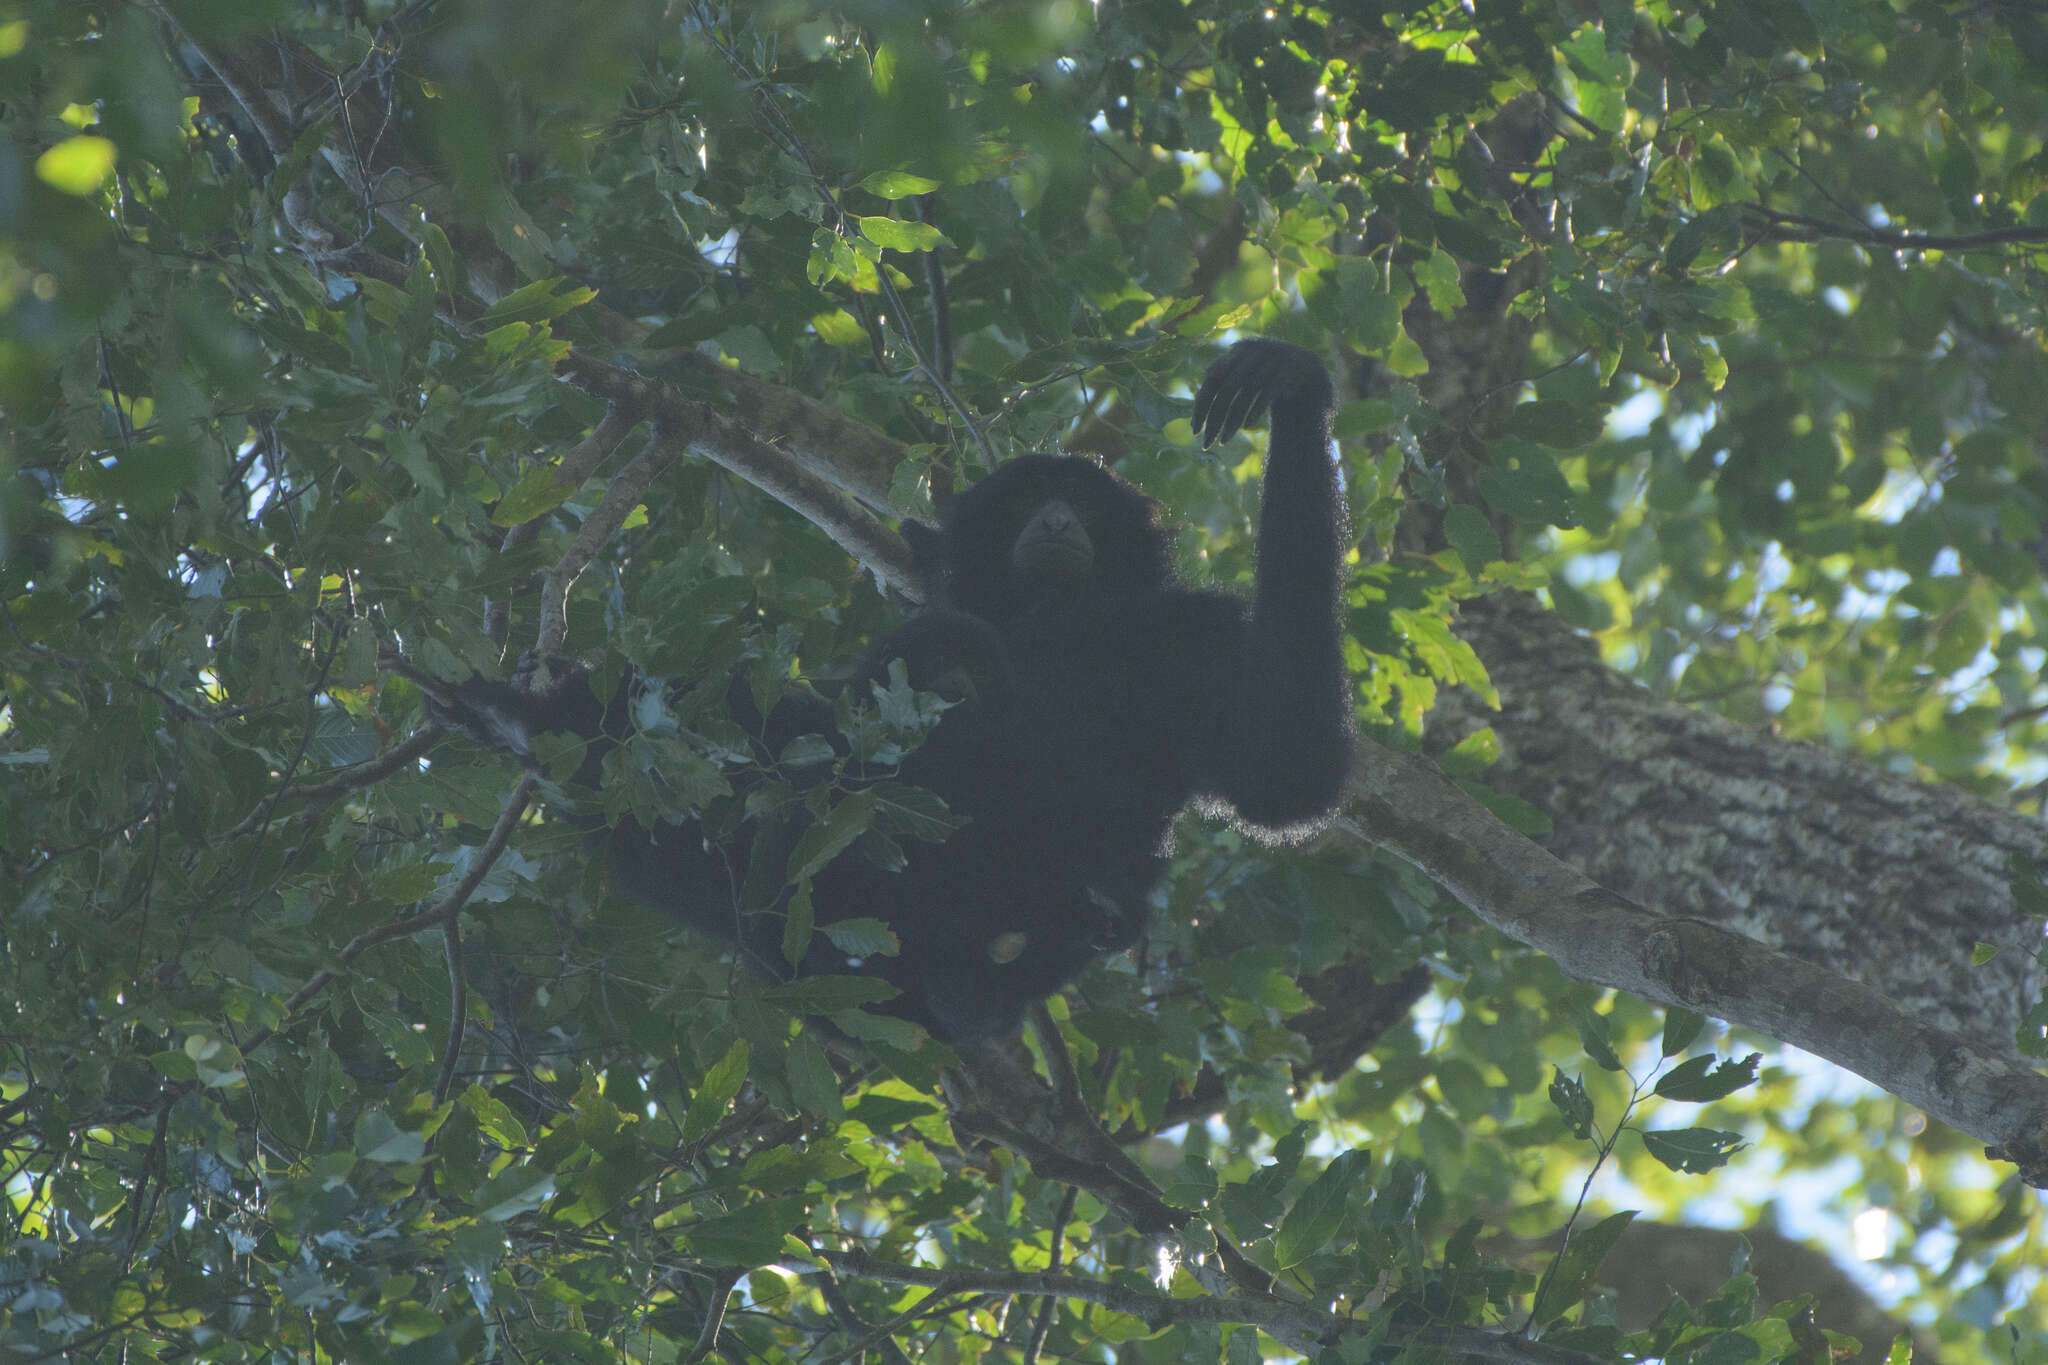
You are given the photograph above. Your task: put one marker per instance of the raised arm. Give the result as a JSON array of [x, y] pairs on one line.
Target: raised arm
[[1281, 742]]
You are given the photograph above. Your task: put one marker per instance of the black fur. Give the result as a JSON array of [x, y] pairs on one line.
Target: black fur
[[1160, 694], [1097, 698], [987, 921]]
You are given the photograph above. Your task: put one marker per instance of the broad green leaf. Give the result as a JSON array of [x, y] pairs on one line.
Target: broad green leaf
[[721, 1083], [1692, 1149], [1576, 1265], [821, 843], [1319, 1211], [77, 165], [899, 235], [1700, 1079]]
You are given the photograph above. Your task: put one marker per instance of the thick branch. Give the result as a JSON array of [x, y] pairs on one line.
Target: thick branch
[[1403, 803], [1778, 226], [1295, 1325], [1868, 873], [732, 445]]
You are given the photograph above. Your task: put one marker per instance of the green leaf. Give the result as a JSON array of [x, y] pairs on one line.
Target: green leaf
[[1681, 1027], [897, 184], [898, 235], [914, 811], [1699, 1080], [1475, 753], [828, 994], [812, 1082], [1373, 312], [1472, 536], [1439, 277], [1511, 811], [720, 1084], [862, 937], [1722, 227], [748, 1236], [839, 328], [2031, 1037], [800, 919], [520, 1189], [1563, 425], [77, 165], [807, 751], [883, 1113], [1319, 1211], [1577, 1263], [1568, 1097], [494, 1117], [1525, 483], [1593, 1026], [410, 1322], [1444, 653], [377, 1138], [823, 842], [540, 490], [1693, 1149], [536, 302]]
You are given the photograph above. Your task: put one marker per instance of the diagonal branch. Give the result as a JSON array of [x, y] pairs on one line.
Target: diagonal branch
[[1405, 804], [1296, 1325]]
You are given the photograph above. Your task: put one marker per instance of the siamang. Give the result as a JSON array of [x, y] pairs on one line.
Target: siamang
[[1095, 697], [1159, 694]]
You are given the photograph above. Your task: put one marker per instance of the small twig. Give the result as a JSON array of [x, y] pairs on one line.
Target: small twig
[[1066, 1082], [936, 367], [443, 912], [1043, 1327], [598, 528], [714, 1317], [883, 1336], [578, 465], [151, 1183], [401, 755], [261, 815], [458, 1007]]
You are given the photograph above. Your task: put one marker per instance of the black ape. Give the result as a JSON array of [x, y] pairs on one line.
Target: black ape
[[1158, 694], [987, 921], [1097, 697]]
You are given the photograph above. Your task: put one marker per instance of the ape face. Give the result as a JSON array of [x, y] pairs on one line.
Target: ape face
[[1042, 528], [1054, 546]]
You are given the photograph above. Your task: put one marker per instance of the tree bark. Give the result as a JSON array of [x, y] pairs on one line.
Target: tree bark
[[1879, 876], [1653, 1261]]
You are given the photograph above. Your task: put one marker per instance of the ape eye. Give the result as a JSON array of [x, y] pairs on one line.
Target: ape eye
[[1007, 948]]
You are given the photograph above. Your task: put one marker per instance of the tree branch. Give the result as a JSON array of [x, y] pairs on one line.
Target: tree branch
[[1778, 226], [1405, 804], [1297, 1326], [444, 911]]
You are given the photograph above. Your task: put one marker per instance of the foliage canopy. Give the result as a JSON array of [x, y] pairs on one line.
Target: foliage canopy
[[352, 346]]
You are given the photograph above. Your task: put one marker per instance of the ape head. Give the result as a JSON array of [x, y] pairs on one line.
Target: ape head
[[1040, 528]]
